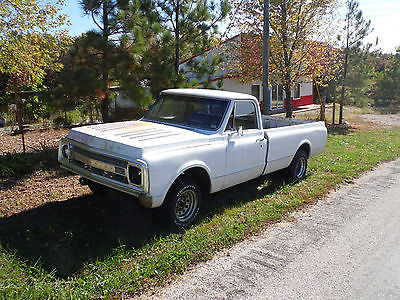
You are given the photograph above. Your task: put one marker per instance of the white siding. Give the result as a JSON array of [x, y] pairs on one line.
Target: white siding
[[233, 85], [306, 89]]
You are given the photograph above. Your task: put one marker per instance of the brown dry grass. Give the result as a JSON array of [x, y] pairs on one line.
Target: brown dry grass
[[34, 140], [46, 184]]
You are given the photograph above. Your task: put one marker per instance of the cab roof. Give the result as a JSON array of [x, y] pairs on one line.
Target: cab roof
[[216, 94]]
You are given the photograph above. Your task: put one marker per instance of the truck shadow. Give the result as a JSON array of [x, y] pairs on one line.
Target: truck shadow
[[65, 236], [245, 192]]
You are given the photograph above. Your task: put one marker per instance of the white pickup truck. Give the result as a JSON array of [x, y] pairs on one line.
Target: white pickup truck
[[191, 142]]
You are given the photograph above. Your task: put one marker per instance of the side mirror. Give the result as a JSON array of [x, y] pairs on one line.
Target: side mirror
[[239, 130]]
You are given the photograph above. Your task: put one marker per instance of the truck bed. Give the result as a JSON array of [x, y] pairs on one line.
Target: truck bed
[[275, 122]]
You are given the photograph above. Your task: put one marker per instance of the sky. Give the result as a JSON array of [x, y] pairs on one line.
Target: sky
[[79, 22], [384, 16], [385, 19]]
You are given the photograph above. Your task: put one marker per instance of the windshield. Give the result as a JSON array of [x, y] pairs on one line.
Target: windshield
[[188, 111]]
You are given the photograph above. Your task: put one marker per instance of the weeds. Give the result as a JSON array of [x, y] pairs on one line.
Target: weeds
[[15, 164], [21, 164]]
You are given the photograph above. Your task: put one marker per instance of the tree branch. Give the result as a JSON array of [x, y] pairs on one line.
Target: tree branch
[[94, 20], [204, 30], [112, 8]]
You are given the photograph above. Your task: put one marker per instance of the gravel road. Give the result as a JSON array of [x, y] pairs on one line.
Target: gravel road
[[344, 247]]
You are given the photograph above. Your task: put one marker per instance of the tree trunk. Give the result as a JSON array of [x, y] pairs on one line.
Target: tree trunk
[[19, 116], [288, 102], [346, 61], [266, 103], [105, 101], [321, 104], [334, 103], [286, 58], [177, 37], [346, 58], [323, 107], [90, 113]]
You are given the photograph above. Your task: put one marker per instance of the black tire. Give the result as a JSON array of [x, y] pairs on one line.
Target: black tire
[[298, 167], [182, 204], [96, 188]]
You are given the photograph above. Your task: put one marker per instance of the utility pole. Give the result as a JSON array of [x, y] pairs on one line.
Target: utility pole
[[266, 105]]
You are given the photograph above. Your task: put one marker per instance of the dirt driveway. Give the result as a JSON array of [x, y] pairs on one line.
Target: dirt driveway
[[380, 120]]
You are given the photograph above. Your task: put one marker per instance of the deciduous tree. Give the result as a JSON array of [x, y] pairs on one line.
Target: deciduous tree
[[293, 25], [31, 42]]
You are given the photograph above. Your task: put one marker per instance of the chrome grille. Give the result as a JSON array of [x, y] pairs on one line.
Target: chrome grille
[[102, 165]]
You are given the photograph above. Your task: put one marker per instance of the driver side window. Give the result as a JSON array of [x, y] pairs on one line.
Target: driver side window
[[243, 114]]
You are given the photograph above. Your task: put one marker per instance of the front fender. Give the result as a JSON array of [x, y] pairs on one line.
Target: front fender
[[191, 165]]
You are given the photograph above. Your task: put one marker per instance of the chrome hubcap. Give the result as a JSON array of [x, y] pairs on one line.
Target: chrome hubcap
[[186, 205], [301, 167]]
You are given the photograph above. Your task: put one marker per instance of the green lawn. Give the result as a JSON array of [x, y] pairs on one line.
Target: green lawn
[[123, 260]]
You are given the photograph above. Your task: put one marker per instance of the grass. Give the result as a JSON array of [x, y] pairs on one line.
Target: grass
[[128, 254]]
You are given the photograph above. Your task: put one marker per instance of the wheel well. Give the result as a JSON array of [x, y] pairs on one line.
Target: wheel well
[[201, 177], [306, 148]]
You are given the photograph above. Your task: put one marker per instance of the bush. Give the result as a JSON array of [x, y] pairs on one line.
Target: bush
[[15, 164], [61, 121]]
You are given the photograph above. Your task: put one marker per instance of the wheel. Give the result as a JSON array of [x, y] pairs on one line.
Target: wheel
[[298, 167], [183, 203]]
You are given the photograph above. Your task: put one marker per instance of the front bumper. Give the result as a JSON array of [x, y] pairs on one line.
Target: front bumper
[[105, 168]]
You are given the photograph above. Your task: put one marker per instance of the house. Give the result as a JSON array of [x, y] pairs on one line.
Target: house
[[302, 92]]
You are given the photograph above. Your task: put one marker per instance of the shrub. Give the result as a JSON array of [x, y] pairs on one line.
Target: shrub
[[15, 164]]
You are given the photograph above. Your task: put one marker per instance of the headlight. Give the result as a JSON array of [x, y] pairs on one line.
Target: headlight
[[65, 151], [135, 175]]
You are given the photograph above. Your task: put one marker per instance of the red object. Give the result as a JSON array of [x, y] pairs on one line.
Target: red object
[[304, 100]]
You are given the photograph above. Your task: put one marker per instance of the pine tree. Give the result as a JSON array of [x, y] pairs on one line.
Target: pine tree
[[108, 16], [125, 30], [191, 23], [387, 86], [355, 30]]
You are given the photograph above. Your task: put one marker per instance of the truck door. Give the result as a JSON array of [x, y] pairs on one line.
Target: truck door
[[246, 146]]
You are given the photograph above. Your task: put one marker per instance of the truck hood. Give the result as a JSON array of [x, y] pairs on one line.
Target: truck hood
[[134, 138]]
